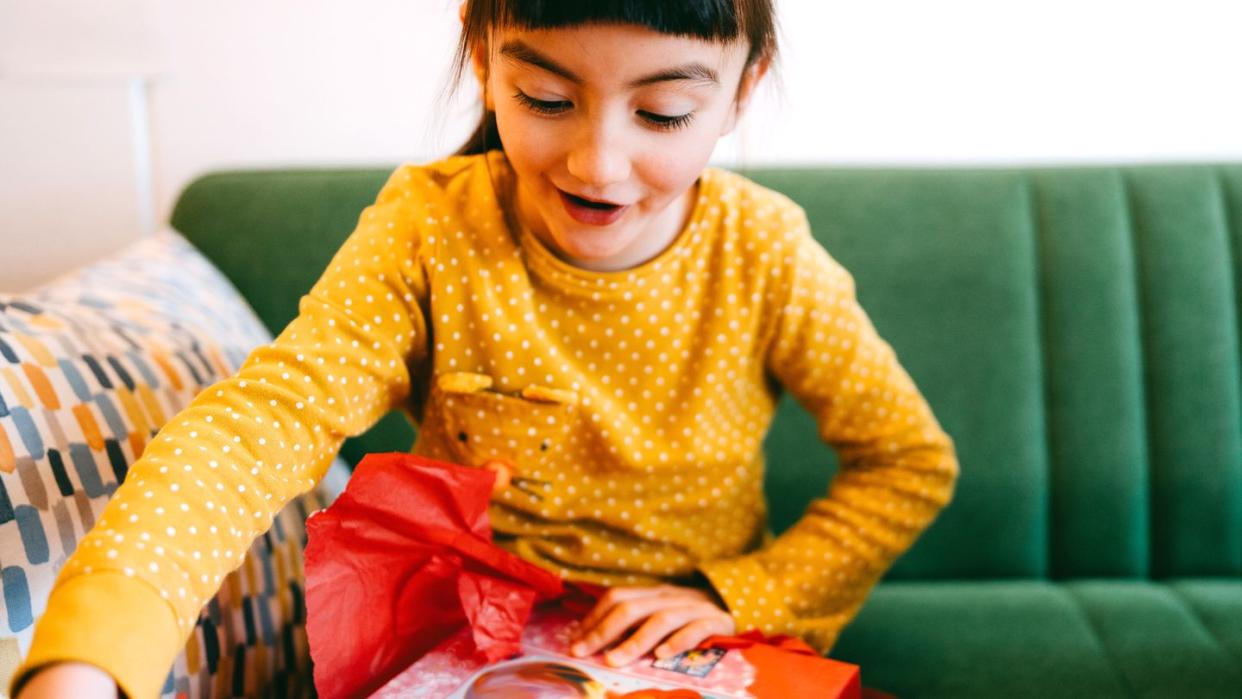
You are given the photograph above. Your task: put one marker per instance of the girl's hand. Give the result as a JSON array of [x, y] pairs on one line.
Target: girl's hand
[[668, 618], [69, 680]]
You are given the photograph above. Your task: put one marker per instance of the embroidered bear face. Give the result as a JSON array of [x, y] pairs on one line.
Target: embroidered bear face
[[518, 432]]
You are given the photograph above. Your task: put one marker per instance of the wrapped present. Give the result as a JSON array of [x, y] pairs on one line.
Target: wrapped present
[[749, 666], [407, 596], [402, 560]]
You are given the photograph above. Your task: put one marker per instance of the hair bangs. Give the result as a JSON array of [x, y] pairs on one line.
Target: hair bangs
[[716, 20]]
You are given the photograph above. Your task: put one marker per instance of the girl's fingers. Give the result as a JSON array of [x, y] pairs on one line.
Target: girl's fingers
[[616, 622], [657, 626], [693, 634], [623, 608], [604, 605]]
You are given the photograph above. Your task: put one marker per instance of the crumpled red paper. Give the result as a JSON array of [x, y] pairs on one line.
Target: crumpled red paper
[[400, 561]]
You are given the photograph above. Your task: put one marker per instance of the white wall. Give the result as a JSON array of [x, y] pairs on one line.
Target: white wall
[[108, 109]]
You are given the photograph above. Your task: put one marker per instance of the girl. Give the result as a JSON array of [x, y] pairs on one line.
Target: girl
[[578, 302]]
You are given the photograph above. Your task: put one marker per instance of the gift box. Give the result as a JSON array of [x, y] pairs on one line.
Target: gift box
[[737, 667], [407, 596]]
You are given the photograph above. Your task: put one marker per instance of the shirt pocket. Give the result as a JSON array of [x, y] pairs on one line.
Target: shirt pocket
[[529, 430]]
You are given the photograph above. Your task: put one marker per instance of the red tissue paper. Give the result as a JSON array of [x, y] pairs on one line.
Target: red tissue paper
[[402, 560]]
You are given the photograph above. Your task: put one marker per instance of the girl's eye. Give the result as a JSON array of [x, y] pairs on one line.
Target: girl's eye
[[662, 122], [667, 123], [541, 106]]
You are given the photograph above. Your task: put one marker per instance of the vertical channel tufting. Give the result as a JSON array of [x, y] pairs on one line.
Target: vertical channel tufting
[[1039, 318], [1136, 250], [1191, 347], [1230, 201], [1093, 376]]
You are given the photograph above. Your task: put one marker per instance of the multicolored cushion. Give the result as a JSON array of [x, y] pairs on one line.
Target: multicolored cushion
[[91, 366]]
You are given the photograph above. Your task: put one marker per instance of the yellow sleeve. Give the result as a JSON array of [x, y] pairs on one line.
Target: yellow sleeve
[[897, 467], [213, 478]]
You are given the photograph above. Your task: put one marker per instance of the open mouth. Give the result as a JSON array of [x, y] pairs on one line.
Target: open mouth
[[590, 211], [590, 203]]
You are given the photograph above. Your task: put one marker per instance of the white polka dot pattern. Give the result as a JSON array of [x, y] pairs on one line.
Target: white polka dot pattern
[[653, 473]]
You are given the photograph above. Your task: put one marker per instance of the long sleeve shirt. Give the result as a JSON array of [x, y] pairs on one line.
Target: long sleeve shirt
[[632, 406]]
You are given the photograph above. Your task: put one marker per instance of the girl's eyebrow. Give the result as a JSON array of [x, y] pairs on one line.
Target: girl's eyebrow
[[693, 72]]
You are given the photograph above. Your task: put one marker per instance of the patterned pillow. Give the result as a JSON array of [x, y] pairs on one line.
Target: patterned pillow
[[91, 366]]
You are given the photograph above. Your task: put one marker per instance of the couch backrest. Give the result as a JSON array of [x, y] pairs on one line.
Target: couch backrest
[[1075, 330]]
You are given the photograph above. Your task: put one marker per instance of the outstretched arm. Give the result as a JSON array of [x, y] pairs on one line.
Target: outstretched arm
[[213, 478]]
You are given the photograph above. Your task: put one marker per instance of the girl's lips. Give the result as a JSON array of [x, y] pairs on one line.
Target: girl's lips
[[591, 212]]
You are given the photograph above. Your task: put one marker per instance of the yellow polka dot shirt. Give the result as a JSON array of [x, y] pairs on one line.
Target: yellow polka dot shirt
[[631, 405]]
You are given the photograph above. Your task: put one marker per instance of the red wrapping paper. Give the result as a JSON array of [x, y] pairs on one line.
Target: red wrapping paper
[[789, 644], [788, 667], [400, 561]]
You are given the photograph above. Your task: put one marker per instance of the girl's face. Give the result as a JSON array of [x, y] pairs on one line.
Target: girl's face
[[607, 127]]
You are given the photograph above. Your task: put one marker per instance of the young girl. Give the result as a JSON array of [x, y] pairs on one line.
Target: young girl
[[575, 273]]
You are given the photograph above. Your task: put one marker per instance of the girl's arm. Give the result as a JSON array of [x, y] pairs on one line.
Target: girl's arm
[[213, 478], [897, 467]]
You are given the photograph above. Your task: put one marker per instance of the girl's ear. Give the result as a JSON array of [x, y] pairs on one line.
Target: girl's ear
[[751, 78]]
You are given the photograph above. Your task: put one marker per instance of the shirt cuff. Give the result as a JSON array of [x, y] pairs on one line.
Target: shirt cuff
[[112, 621], [753, 597]]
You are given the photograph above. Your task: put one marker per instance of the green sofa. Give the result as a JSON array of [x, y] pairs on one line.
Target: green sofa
[[1076, 331]]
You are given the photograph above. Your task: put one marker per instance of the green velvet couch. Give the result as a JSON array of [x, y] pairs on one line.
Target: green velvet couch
[[1076, 331]]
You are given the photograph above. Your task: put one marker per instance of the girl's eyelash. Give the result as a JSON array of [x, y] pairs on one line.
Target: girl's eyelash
[[660, 121], [540, 106], [668, 123]]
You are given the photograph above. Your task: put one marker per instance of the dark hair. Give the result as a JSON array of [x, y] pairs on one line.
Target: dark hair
[[713, 20]]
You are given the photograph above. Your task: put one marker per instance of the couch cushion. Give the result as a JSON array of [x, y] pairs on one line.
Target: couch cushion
[[1040, 639], [1218, 605], [91, 366]]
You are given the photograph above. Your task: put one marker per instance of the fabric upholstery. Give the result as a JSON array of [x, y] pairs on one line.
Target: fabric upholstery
[[1098, 638], [91, 366]]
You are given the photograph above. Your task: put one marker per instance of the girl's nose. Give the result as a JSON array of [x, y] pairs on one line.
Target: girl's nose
[[598, 161]]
